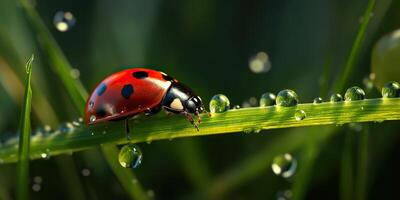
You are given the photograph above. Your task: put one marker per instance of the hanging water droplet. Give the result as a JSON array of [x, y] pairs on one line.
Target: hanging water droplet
[[63, 21], [317, 100], [75, 73], [299, 115], [391, 90], [45, 154], [336, 98], [219, 103], [267, 99], [92, 118], [287, 98], [354, 93], [284, 165], [85, 172], [260, 63], [130, 156]]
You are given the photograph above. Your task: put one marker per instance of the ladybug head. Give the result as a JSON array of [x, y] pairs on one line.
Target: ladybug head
[[181, 99]]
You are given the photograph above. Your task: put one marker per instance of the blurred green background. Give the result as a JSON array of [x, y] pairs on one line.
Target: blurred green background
[[206, 45]]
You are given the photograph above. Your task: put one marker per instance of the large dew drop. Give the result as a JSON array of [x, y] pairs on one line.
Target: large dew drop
[[219, 103], [63, 21], [287, 98], [336, 98], [284, 165], [267, 99], [354, 93], [391, 90], [130, 156]]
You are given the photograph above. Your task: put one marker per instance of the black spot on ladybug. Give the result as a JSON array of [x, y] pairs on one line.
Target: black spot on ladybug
[[101, 89], [140, 74], [127, 91], [167, 77], [101, 112]]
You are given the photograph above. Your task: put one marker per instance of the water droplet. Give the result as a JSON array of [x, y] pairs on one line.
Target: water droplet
[[236, 107], [317, 100], [92, 118], [130, 156], [369, 81], [36, 187], [260, 63], [391, 90], [287, 98], [45, 154], [63, 21], [336, 98], [246, 104], [75, 73], [357, 127], [219, 103], [92, 133], [284, 165], [91, 104], [267, 99], [37, 179], [76, 123], [253, 101], [85, 172], [299, 115], [284, 195], [354, 93], [80, 120], [66, 127]]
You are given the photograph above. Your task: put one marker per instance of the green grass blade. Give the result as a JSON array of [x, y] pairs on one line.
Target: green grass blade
[[356, 48], [233, 121], [24, 137], [127, 179]]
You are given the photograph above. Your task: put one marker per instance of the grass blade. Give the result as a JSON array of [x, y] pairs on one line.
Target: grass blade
[[233, 121], [24, 141]]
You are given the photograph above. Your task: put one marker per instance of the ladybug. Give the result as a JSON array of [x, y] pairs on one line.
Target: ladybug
[[131, 92]]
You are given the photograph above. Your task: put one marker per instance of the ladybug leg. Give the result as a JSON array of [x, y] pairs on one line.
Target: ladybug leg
[[127, 130], [189, 117], [198, 118]]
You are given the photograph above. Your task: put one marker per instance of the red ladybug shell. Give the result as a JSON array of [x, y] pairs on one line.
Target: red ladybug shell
[[125, 94]]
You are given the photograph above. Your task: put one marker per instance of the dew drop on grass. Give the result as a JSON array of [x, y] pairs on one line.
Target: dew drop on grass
[[287, 98], [336, 98], [267, 99], [219, 103], [130, 156], [391, 90], [236, 107], [260, 63], [66, 127], [354, 93], [63, 21], [299, 115], [284, 165], [317, 100]]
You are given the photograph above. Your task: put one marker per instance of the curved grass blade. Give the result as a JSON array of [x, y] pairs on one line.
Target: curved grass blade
[[24, 141]]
